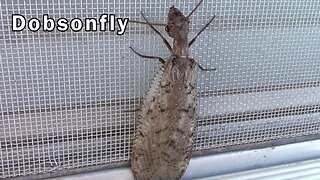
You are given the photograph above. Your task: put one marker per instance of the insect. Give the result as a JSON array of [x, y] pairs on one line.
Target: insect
[[165, 128]]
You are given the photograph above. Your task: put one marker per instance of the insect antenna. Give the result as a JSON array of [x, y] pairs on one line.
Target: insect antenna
[[140, 22], [194, 9], [198, 34]]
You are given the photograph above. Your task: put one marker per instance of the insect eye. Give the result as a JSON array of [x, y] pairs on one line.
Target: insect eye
[[166, 28]]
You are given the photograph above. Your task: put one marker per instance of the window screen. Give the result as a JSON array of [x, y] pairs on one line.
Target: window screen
[[65, 95]]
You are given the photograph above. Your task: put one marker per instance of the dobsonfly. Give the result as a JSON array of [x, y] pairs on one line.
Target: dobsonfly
[[165, 128]]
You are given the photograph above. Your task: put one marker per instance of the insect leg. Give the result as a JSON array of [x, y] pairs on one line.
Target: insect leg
[[149, 57], [194, 39], [164, 39], [203, 69], [194, 9]]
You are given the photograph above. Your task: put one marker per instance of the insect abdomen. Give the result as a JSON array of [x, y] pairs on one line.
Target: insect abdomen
[[164, 136]]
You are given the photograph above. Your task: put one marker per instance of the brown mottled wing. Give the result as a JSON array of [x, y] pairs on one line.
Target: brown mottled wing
[[165, 129]]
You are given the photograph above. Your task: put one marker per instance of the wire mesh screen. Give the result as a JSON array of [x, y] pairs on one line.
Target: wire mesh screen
[[63, 94]]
